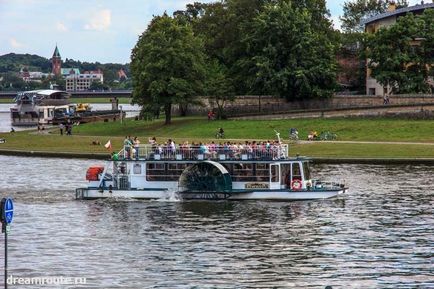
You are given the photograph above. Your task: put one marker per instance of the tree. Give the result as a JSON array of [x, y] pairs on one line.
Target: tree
[[291, 57], [167, 65], [401, 57], [219, 86], [357, 10]]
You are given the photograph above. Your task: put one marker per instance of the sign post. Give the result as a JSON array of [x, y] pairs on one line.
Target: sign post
[[6, 216]]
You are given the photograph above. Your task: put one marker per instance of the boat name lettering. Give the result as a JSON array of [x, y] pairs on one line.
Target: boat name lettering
[[256, 186]]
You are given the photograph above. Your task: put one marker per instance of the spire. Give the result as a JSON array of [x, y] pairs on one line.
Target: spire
[[56, 52]]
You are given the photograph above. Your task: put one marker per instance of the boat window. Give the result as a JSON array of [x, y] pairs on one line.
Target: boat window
[[306, 171], [155, 166], [262, 173], [243, 173], [285, 173], [296, 172], [137, 169], [274, 173], [158, 172]]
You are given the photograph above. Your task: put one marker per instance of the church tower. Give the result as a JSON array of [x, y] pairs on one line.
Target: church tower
[[56, 62]]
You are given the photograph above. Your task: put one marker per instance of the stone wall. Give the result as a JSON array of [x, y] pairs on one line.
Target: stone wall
[[268, 104]]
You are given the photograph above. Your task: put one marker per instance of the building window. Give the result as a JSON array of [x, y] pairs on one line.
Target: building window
[[371, 91]]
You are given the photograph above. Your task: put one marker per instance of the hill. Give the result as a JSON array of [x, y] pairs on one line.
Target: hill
[[11, 64]]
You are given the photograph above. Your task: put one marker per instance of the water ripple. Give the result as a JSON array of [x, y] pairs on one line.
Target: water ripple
[[379, 235]]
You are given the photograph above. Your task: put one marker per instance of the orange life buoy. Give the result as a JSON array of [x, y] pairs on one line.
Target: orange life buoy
[[296, 184]]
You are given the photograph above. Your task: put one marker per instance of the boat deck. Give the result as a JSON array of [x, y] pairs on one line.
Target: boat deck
[[199, 153]]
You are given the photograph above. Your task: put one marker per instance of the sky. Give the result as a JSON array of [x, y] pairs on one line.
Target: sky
[[88, 30]]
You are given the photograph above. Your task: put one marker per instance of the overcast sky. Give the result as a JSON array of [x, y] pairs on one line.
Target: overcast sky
[[87, 30]]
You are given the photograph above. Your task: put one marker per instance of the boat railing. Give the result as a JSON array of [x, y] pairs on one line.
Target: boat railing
[[213, 152]]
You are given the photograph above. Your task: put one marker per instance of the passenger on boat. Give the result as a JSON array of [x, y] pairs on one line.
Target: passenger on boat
[[115, 156], [136, 147], [127, 147]]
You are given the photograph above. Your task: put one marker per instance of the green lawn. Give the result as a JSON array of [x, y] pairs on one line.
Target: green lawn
[[200, 129], [351, 129]]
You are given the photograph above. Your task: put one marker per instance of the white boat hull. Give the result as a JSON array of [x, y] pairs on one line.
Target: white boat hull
[[280, 195]]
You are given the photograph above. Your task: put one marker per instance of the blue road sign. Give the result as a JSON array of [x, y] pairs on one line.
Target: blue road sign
[[8, 211]]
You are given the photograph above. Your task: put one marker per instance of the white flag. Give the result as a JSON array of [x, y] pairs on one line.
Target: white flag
[[108, 145]]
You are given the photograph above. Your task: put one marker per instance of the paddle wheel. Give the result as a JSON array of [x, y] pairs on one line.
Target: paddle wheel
[[205, 180]]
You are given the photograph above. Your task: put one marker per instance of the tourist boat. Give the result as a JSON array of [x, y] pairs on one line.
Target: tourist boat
[[193, 172], [53, 107]]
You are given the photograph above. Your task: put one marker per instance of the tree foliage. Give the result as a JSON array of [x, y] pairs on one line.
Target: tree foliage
[[219, 86], [402, 56], [167, 65], [292, 55], [243, 36]]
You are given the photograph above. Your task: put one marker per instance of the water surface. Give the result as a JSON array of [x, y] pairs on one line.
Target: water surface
[[379, 235]]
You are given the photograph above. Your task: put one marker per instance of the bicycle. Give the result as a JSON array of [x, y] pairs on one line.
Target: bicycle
[[326, 135]]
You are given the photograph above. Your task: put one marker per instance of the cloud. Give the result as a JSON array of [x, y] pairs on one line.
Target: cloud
[[61, 27], [336, 22], [100, 20], [14, 43]]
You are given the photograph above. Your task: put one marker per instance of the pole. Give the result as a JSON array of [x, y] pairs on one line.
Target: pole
[[120, 106], [6, 256]]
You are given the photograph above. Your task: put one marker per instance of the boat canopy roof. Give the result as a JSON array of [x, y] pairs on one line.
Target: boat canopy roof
[[38, 95]]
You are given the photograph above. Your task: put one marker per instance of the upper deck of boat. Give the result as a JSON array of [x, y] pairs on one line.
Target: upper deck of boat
[[214, 153]]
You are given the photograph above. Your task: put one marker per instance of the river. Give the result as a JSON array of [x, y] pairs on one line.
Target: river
[[379, 235]]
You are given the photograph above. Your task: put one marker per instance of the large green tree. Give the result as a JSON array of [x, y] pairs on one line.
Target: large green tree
[[402, 56], [167, 65], [292, 55]]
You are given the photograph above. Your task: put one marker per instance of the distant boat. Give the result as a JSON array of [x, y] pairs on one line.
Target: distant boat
[[38, 106], [52, 107]]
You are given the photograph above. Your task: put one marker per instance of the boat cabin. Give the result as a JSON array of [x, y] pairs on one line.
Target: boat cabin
[[193, 169]]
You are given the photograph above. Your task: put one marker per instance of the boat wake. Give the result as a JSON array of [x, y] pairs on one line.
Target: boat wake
[[171, 196]]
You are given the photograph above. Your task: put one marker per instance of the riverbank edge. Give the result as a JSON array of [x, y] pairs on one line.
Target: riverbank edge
[[324, 160]]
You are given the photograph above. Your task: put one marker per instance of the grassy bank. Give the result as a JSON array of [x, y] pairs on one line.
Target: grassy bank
[[199, 129], [122, 100]]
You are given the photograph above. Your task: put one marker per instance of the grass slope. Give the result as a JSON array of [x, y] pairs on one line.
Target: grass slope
[[199, 129]]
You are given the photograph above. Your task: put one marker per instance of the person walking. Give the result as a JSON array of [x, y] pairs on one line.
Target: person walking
[[61, 128]]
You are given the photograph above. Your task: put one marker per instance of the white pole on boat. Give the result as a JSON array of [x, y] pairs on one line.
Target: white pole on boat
[[278, 136]]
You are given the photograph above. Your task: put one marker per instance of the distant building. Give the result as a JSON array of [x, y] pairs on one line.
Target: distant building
[[82, 82], [69, 71], [122, 75], [34, 76], [387, 19], [56, 62]]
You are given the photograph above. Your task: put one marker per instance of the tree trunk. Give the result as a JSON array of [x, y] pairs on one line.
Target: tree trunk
[[183, 109], [168, 112]]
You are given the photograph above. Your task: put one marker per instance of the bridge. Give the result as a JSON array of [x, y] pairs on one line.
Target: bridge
[[80, 94]]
